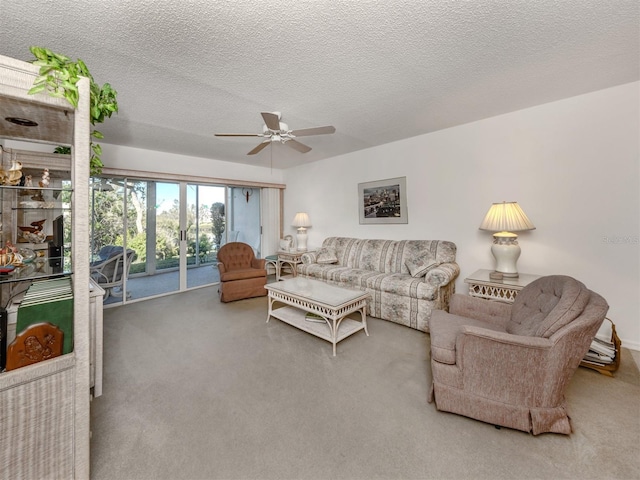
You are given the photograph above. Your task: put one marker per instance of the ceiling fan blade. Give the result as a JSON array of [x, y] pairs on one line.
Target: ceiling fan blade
[[301, 147], [238, 135], [271, 120], [259, 147], [314, 131]]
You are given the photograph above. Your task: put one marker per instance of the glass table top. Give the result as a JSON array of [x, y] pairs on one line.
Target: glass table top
[[316, 291]]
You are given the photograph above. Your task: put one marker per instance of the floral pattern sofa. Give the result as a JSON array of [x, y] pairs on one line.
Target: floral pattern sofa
[[407, 279]]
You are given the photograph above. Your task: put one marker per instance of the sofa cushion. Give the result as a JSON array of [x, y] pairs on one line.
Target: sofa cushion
[[355, 277], [344, 246], [327, 272], [403, 250], [326, 255], [242, 274], [371, 254], [403, 285], [420, 265], [444, 329]]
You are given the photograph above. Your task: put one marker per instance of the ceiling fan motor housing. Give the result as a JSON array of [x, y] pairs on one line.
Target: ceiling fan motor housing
[[280, 134], [283, 128]]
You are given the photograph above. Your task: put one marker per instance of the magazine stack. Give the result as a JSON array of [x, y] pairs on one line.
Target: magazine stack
[[604, 356], [601, 352]]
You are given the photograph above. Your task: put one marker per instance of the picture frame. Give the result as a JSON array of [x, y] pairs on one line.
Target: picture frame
[[383, 201]]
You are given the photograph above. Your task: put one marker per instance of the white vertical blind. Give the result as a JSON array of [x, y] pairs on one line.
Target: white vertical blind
[[270, 218]]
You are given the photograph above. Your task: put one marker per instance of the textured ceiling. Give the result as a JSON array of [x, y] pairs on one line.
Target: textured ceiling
[[377, 71]]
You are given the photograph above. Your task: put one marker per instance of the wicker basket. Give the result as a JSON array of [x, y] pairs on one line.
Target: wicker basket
[[611, 367]]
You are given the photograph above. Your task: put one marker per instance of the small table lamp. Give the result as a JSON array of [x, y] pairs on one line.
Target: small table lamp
[[505, 218], [301, 221]]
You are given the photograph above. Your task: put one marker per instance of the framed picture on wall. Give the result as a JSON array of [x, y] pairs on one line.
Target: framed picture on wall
[[384, 201]]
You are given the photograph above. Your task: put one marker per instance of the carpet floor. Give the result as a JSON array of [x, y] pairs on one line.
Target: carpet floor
[[196, 389]]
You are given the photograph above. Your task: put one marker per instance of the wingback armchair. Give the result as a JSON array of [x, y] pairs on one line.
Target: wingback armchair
[[242, 275], [508, 364]]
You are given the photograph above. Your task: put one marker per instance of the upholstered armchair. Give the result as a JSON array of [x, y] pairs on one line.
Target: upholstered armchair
[[509, 365], [242, 275]]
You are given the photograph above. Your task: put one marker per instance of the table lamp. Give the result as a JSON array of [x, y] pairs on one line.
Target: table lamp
[[504, 219], [301, 221]]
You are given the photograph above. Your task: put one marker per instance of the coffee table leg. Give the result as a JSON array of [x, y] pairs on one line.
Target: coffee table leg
[[363, 312], [269, 310]]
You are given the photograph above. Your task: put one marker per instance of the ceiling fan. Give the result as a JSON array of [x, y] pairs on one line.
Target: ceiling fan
[[276, 131]]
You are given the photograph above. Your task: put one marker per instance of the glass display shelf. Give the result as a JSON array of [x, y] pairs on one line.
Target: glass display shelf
[[63, 188], [66, 208], [38, 269]]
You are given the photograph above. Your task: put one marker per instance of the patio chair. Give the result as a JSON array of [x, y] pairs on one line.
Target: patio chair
[[111, 269]]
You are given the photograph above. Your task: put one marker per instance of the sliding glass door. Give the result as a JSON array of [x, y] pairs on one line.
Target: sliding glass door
[[174, 228], [142, 216], [159, 272], [205, 228]]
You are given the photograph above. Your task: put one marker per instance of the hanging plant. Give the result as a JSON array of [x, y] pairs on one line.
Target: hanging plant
[[59, 77]]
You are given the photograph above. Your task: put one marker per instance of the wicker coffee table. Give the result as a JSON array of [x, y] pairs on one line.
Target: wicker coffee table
[[330, 305]]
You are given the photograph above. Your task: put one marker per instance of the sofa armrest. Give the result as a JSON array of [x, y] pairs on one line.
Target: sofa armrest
[[221, 268], [443, 274], [309, 257], [497, 313], [258, 263]]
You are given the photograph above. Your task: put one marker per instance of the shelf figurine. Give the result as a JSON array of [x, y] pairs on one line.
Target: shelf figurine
[[45, 179]]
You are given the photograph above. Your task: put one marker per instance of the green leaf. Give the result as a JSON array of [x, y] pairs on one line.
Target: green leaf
[[62, 150], [36, 89], [58, 75]]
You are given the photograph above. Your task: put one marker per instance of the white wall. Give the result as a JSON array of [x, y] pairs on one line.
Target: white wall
[[120, 157], [116, 156], [572, 165]]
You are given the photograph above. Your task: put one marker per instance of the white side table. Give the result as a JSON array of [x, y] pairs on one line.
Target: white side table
[[291, 259], [480, 285]]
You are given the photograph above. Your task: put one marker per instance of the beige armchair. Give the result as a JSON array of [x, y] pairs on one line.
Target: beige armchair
[[241, 274], [508, 364]]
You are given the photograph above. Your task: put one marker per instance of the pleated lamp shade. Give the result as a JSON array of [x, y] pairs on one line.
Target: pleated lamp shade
[[504, 219]]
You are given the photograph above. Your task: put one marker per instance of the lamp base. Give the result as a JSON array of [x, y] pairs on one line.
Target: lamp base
[[496, 276], [506, 251], [301, 238], [509, 275]]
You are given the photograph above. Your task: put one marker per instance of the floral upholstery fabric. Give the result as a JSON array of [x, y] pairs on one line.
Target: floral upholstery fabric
[[419, 266], [326, 255], [379, 267]]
